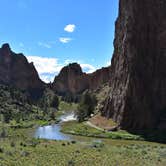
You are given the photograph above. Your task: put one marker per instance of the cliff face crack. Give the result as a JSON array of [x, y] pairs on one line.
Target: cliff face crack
[[138, 73]]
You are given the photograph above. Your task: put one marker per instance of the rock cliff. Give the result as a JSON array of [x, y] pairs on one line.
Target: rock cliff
[[17, 72], [72, 80], [138, 73]]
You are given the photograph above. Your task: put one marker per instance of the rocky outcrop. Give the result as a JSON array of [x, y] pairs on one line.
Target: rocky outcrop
[[138, 73], [17, 72], [72, 80], [99, 77]]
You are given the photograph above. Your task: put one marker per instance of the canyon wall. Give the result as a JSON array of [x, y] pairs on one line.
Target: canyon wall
[[137, 98]]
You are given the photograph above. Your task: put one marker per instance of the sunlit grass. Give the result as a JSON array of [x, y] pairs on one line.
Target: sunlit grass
[[18, 148], [83, 129]]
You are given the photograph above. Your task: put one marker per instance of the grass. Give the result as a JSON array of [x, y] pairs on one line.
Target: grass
[[27, 124], [20, 149], [65, 107], [82, 129]]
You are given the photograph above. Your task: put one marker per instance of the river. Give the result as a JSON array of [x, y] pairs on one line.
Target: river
[[53, 132]]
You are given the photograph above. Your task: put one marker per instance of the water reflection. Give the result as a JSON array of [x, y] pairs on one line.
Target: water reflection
[[51, 132]]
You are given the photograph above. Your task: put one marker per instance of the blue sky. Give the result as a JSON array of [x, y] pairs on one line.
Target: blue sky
[[53, 33]]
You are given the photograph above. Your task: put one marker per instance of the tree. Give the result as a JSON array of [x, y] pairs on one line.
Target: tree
[[55, 102], [86, 107]]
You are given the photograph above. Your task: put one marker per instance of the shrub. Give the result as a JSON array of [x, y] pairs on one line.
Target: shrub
[[71, 163], [86, 106], [63, 144], [73, 142], [1, 150], [3, 133], [24, 153], [12, 144]]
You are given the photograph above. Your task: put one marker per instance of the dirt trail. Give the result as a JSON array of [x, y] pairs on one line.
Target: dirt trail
[[94, 126]]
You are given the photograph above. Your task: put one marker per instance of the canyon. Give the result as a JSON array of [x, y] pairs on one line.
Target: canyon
[[137, 75]]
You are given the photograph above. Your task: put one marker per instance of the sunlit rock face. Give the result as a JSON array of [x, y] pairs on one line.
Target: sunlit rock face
[[72, 80], [17, 72], [138, 73]]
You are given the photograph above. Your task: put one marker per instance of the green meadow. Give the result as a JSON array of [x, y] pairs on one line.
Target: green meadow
[[19, 148]]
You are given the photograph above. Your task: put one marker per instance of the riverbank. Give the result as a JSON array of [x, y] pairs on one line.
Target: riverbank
[[100, 127], [84, 129], [18, 148]]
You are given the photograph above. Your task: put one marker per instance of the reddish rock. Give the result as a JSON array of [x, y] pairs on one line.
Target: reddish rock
[[16, 71], [99, 77], [138, 73], [72, 80]]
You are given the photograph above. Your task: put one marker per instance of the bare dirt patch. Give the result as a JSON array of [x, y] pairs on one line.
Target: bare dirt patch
[[102, 122]]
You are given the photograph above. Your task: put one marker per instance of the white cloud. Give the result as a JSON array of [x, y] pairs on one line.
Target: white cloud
[[47, 78], [108, 63], [67, 61], [48, 68], [46, 45], [70, 28], [88, 68], [45, 65], [65, 39], [85, 67]]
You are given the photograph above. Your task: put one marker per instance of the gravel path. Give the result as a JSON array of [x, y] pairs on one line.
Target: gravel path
[[94, 126]]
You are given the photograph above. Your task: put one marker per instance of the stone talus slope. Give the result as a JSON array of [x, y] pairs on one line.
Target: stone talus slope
[[72, 80], [138, 73], [17, 72]]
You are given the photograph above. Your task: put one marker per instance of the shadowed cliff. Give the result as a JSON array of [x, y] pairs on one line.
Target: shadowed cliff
[[137, 98]]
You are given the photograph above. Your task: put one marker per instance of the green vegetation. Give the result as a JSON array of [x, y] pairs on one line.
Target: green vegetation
[[49, 100], [19, 116], [70, 98], [67, 107], [86, 107], [83, 129], [17, 148], [16, 105]]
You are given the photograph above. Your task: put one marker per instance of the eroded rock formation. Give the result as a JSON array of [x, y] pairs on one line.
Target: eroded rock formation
[[138, 73], [17, 72], [72, 80]]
